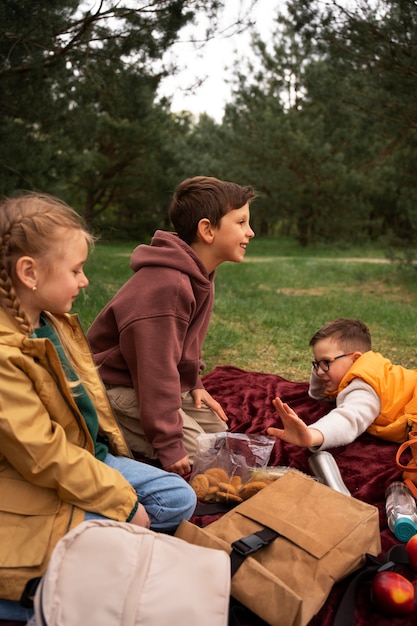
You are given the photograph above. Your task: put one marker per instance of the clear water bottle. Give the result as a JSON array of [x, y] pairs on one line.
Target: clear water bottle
[[401, 511]]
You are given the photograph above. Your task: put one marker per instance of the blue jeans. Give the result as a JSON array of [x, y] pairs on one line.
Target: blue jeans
[[11, 610], [167, 498]]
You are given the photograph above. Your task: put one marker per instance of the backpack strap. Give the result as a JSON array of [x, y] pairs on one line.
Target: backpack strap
[[402, 447], [397, 555], [29, 591], [240, 615], [411, 486], [212, 508]]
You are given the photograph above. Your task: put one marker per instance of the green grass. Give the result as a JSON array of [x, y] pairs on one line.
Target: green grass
[[269, 306]]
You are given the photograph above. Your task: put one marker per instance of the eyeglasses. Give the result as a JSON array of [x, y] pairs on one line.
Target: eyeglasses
[[324, 364]]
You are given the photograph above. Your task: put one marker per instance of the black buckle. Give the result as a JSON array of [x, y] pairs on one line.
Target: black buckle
[[243, 547], [252, 543], [248, 545]]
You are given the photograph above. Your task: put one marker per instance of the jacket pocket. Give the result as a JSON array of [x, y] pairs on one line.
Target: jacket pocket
[[27, 515], [24, 540]]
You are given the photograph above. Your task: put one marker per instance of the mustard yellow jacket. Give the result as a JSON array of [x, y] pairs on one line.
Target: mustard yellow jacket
[[397, 388], [49, 476]]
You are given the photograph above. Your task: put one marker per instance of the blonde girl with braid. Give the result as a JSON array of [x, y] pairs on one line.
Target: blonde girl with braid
[[63, 458]]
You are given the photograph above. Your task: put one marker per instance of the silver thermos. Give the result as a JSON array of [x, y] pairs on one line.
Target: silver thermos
[[325, 468]]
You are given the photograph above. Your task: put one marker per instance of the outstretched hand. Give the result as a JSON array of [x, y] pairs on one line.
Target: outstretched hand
[[295, 431]]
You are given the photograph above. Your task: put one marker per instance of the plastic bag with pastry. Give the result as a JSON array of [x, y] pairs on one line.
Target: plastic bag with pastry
[[225, 466]]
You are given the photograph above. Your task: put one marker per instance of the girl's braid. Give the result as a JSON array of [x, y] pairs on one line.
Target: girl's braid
[[7, 291]]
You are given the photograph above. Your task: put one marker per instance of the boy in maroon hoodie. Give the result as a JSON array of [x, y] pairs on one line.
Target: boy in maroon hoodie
[[147, 341]]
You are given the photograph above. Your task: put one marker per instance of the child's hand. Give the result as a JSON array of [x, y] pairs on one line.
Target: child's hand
[[295, 431], [141, 517], [181, 467], [202, 395]]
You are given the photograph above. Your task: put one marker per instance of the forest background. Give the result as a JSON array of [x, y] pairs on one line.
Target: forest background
[[322, 120]]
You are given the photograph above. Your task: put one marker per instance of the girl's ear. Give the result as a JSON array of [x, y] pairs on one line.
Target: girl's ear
[[205, 230], [26, 271]]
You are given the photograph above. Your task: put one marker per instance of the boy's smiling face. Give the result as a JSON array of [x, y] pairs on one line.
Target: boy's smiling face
[[327, 349], [233, 235]]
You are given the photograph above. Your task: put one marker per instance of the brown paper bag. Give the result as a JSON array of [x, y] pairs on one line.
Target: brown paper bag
[[323, 536]]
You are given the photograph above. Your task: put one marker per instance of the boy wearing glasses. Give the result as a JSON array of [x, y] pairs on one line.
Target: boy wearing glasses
[[371, 394]]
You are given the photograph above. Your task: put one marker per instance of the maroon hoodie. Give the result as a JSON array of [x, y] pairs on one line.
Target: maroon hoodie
[[150, 336]]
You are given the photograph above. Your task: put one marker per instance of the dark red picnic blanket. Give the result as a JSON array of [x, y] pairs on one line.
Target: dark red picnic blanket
[[367, 465]]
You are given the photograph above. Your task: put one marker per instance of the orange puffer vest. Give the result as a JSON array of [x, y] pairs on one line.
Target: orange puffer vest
[[396, 386]]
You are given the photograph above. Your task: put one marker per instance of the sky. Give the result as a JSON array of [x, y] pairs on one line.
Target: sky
[[212, 60]]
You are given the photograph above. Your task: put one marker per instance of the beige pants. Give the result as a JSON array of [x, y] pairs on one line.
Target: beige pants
[[195, 421]]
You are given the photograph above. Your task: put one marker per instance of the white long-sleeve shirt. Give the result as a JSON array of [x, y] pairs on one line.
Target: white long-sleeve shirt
[[357, 407]]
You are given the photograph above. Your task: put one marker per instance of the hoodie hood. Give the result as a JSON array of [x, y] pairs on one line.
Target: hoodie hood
[[168, 250]]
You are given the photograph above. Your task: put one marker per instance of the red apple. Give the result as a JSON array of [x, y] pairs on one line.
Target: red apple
[[411, 549], [392, 594]]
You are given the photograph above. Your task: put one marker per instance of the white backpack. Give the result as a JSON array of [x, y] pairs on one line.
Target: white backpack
[[107, 573]]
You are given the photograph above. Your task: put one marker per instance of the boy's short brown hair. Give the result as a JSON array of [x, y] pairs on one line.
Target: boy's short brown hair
[[351, 334], [204, 197]]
